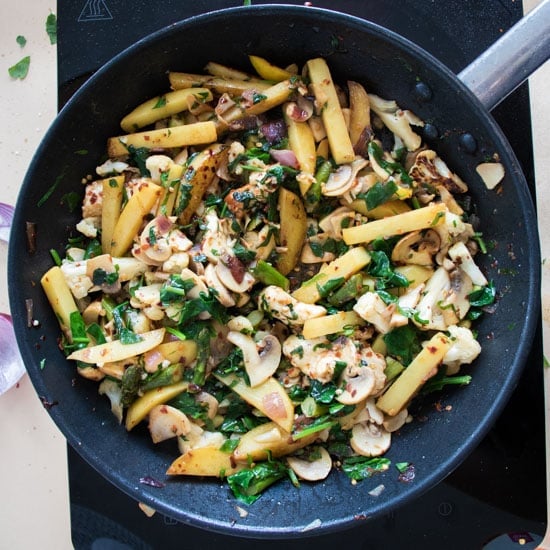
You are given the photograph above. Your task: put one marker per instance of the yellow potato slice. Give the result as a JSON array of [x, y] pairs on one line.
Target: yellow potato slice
[[141, 407], [116, 350], [204, 461], [267, 70]]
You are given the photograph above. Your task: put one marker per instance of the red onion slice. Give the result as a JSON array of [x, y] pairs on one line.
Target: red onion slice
[[11, 364], [286, 157], [6, 218]]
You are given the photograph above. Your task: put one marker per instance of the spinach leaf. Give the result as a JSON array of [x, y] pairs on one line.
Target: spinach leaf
[[381, 268], [248, 484], [403, 343], [378, 194], [360, 468]]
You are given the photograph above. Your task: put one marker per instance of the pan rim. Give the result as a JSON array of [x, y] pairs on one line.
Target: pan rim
[[19, 322]]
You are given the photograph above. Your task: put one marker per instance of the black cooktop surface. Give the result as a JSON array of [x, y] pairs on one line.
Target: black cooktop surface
[[500, 487]]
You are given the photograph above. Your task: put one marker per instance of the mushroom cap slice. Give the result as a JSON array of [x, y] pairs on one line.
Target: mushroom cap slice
[[166, 422], [368, 439], [417, 247], [357, 387], [261, 359], [312, 470]]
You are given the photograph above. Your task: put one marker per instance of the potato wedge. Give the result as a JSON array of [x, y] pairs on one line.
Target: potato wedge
[[421, 218], [330, 324], [116, 350], [293, 229], [196, 179], [353, 261], [218, 83], [359, 124], [60, 297], [170, 189], [422, 367], [113, 191], [164, 106], [178, 136], [141, 407], [131, 217], [331, 112], [302, 143], [223, 71], [204, 461], [267, 70], [178, 351], [267, 99], [268, 439], [390, 208], [269, 397]]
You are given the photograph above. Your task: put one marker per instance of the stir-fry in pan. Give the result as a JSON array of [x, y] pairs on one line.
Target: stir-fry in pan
[[269, 268]]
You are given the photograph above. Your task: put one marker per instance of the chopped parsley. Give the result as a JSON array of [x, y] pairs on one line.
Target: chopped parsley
[[51, 28], [21, 68]]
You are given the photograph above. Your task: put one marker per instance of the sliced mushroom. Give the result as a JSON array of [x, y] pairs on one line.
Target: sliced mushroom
[[98, 269], [393, 423], [92, 312], [232, 273], [333, 223], [212, 404], [261, 359], [166, 422], [312, 470], [417, 247], [358, 384], [342, 179], [154, 239], [368, 439], [375, 414], [213, 281]]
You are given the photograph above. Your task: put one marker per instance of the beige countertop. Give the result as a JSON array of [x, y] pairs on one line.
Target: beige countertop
[[33, 476]]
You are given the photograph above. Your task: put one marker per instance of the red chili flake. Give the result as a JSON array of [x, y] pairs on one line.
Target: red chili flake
[[151, 482], [432, 349]]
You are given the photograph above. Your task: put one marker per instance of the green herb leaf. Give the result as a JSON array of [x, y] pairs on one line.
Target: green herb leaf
[[21, 40], [378, 194], [248, 484], [51, 28], [381, 268], [21, 68], [161, 102], [483, 297], [403, 343], [360, 468]]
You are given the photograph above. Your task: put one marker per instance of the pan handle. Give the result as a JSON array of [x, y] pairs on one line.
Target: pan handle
[[516, 55]]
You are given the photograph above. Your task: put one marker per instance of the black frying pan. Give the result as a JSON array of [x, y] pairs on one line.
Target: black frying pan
[[387, 65]]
